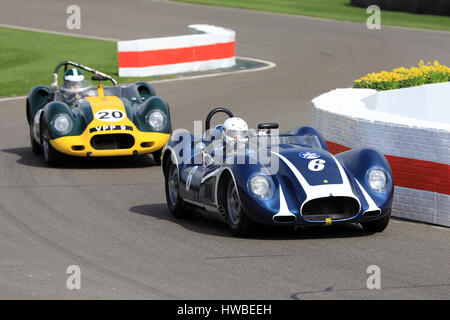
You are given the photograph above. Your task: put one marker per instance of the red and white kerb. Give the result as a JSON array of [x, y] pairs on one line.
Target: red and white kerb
[[210, 48]]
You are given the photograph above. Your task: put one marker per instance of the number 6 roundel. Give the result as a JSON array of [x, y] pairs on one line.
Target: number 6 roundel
[[316, 165]]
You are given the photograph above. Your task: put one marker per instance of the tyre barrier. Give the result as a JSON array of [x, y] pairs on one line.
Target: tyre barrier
[[207, 48], [414, 136], [436, 7]]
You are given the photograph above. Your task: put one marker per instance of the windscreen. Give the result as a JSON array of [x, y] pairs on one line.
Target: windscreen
[[309, 141]]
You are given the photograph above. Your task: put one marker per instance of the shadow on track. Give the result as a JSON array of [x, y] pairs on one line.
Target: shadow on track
[[198, 223], [28, 158]]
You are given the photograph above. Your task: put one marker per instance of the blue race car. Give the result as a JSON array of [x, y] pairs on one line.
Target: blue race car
[[247, 178]]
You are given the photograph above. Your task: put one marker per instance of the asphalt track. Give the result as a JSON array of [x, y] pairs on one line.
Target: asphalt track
[[110, 218]]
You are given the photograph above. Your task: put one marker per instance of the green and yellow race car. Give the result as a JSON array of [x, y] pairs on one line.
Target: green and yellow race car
[[79, 119]]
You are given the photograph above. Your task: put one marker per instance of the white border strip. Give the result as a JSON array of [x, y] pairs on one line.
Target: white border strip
[[268, 65], [201, 35], [12, 98], [76, 35]]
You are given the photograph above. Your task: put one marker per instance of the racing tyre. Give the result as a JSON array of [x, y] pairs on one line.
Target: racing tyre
[[238, 221], [377, 225], [35, 146], [176, 205], [51, 155], [157, 157]]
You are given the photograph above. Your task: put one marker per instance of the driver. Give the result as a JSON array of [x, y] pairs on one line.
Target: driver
[[235, 130], [73, 79], [73, 84]]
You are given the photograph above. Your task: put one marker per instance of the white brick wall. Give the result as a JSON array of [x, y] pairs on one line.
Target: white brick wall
[[389, 138], [425, 206]]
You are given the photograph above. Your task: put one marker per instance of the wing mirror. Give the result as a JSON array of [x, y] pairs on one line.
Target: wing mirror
[[98, 78], [266, 127], [207, 160]]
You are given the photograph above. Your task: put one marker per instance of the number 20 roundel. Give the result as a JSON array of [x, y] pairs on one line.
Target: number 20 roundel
[[109, 115]]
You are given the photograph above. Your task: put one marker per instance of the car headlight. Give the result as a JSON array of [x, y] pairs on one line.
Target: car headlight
[[62, 123], [377, 179], [156, 119], [261, 187]]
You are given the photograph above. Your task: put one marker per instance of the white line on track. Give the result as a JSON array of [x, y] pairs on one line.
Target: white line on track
[[56, 32], [12, 98], [268, 65]]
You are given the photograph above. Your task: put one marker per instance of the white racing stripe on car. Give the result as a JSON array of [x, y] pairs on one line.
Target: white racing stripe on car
[[284, 210], [214, 173], [370, 202], [322, 191]]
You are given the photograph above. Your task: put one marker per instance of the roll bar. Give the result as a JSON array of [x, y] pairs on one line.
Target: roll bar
[[71, 63], [213, 112]]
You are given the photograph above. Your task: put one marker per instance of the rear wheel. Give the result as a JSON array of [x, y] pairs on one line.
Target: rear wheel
[[51, 155], [174, 201], [238, 221], [376, 226]]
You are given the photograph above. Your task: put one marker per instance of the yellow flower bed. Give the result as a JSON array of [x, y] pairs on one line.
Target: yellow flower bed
[[403, 77]]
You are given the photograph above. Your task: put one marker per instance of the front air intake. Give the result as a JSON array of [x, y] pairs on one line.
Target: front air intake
[[284, 219], [112, 141], [372, 213], [335, 208]]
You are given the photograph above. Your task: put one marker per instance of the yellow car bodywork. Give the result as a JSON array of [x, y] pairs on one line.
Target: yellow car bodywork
[[144, 142]]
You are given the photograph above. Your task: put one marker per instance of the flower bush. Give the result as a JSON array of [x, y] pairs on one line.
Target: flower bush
[[403, 77]]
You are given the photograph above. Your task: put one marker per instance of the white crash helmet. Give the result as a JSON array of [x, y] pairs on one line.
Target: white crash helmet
[[235, 129], [74, 80]]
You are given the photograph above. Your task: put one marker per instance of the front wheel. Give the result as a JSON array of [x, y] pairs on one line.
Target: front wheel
[[35, 146], [377, 225], [238, 221], [174, 201], [52, 156], [157, 157]]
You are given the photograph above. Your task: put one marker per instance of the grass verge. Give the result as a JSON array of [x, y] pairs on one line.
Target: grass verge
[[334, 9], [28, 58]]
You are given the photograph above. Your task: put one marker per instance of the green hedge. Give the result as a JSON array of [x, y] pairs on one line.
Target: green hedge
[[436, 7]]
